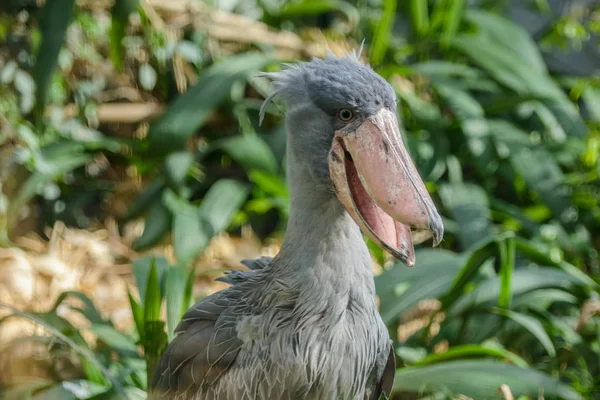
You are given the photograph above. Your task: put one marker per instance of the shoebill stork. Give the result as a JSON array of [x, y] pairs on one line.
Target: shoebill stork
[[305, 324]]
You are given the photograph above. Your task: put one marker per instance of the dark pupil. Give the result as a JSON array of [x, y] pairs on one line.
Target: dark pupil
[[346, 114]]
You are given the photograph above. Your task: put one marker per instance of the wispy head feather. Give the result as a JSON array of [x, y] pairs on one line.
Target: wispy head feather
[[295, 75]]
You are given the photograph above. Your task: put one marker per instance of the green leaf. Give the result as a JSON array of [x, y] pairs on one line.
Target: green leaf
[[468, 205], [533, 326], [177, 166], [120, 19], [157, 223], [175, 295], [153, 298], [525, 280], [250, 151], [400, 288], [114, 338], [224, 198], [55, 19], [480, 379], [472, 351], [469, 270], [190, 110], [507, 266], [269, 183], [141, 272], [383, 32], [419, 11], [538, 255], [138, 316], [509, 35], [306, 7], [591, 98], [544, 176], [191, 234]]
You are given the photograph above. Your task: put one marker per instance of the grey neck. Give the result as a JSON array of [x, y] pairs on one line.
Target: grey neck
[[322, 242]]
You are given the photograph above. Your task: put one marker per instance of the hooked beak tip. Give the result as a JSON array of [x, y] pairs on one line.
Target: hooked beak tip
[[436, 226]]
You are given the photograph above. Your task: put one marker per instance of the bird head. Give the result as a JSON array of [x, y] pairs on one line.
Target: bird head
[[342, 122]]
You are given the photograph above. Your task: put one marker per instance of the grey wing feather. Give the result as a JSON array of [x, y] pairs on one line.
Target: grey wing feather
[[257, 263], [385, 382], [205, 347], [235, 276]]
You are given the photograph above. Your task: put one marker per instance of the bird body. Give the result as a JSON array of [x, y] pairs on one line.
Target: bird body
[[304, 324]]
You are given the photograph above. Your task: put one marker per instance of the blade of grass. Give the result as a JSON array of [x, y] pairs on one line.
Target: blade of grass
[[507, 266], [119, 20], [55, 19], [175, 296], [471, 351], [383, 31], [419, 11]]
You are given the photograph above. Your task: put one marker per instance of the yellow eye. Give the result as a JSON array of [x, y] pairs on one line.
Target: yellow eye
[[345, 115]]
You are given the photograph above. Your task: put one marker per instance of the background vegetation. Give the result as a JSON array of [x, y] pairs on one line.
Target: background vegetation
[[96, 93]]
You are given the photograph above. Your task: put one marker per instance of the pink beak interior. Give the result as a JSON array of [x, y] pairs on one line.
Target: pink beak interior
[[377, 182]]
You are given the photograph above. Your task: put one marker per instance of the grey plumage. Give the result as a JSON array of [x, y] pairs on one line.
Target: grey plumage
[[303, 325]]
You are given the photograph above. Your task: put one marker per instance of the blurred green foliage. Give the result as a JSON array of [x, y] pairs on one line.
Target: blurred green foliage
[[508, 149]]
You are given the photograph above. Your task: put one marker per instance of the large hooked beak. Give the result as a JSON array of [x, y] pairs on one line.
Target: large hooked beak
[[376, 180]]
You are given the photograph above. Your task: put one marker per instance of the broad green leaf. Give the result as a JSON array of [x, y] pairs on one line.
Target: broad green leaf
[[157, 223], [191, 233], [472, 351], [177, 166], [250, 151], [269, 183], [55, 19], [481, 379], [544, 176], [500, 60], [509, 35], [222, 201], [468, 205], [190, 110], [114, 338], [534, 326], [468, 271], [446, 69], [175, 293], [525, 280], [400, 288]]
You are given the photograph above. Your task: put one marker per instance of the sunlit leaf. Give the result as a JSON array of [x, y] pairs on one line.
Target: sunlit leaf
[[480, 379]]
